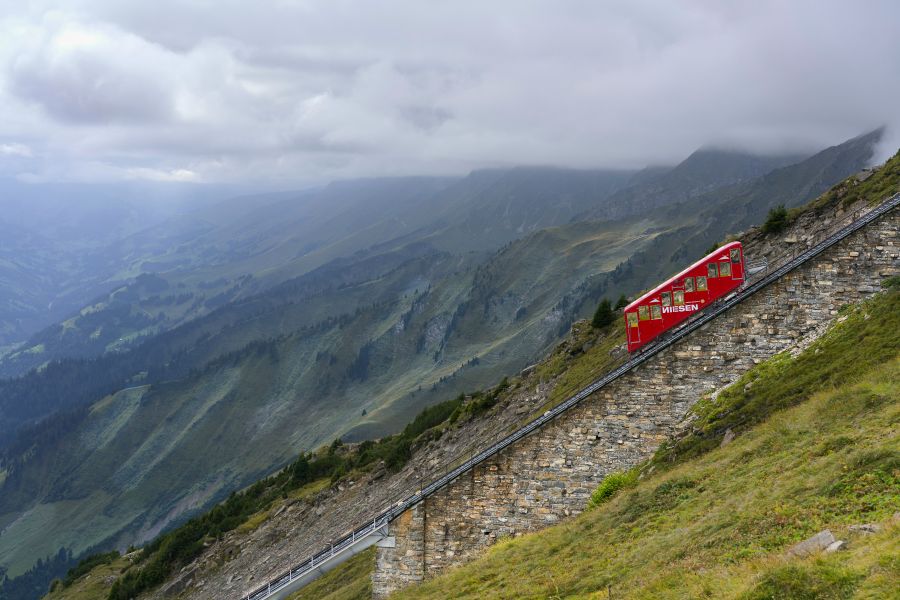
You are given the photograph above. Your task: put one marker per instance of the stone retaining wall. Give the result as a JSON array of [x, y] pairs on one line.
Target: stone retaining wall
[[550, 475]]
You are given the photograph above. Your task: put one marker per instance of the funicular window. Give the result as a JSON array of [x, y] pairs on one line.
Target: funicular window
[[679, 298], [735, 255], [712, 269], [632, 319], [701, 283], [643, 313], [666, 299], [725, 268], [655, 311], [689, 284]]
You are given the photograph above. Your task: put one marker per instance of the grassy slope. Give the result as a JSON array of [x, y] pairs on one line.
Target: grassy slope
[[573, 373], [353, 581], [717, 525], [817, 447], [95, 584]]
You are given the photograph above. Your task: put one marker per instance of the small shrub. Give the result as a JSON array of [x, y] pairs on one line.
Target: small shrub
[[603, 316], [610, 486], [776, 220], [338, 473]]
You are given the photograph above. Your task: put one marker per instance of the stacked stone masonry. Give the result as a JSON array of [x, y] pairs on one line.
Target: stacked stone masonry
[[550, 475]]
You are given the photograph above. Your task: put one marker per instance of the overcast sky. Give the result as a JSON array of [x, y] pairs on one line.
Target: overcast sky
[[284, 92]]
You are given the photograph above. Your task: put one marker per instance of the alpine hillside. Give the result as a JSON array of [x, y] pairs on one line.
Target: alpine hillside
[[345, 338], [314, 498]]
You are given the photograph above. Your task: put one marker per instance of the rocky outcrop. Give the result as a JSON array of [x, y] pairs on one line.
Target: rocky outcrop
[[822, 541]]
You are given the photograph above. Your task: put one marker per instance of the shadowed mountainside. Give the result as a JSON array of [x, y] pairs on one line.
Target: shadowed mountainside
[[245, 246]]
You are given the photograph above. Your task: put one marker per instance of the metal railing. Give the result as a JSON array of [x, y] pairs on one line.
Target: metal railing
[[757, 266], [835, 233]]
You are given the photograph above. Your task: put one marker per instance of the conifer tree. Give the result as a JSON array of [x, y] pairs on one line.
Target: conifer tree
[[603, 316]]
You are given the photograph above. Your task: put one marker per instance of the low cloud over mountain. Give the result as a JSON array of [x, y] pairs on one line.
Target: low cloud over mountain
[[304, 92]]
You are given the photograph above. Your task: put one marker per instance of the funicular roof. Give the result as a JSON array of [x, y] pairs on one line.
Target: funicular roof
[[668, 282]]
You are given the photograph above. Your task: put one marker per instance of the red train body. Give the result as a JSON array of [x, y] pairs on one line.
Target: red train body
[[675, 300]]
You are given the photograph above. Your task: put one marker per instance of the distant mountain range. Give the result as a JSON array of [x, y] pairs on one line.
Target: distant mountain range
[[231, 338], [702, 172], [247, 245]]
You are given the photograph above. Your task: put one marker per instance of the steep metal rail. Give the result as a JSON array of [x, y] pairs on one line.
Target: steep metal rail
[[376, 529]]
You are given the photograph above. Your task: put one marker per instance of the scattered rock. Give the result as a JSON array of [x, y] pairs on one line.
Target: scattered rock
[[618, 351], [179, 585], [836, 546], [816, 543], [727, 438], [865, 528]]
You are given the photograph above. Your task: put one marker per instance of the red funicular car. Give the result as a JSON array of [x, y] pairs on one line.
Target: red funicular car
[[678, 298]]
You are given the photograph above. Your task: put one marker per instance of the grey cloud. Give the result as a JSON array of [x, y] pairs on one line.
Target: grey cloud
[[427, 118], [88, 91], [301, 60], [317, 90], [91, 76]]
